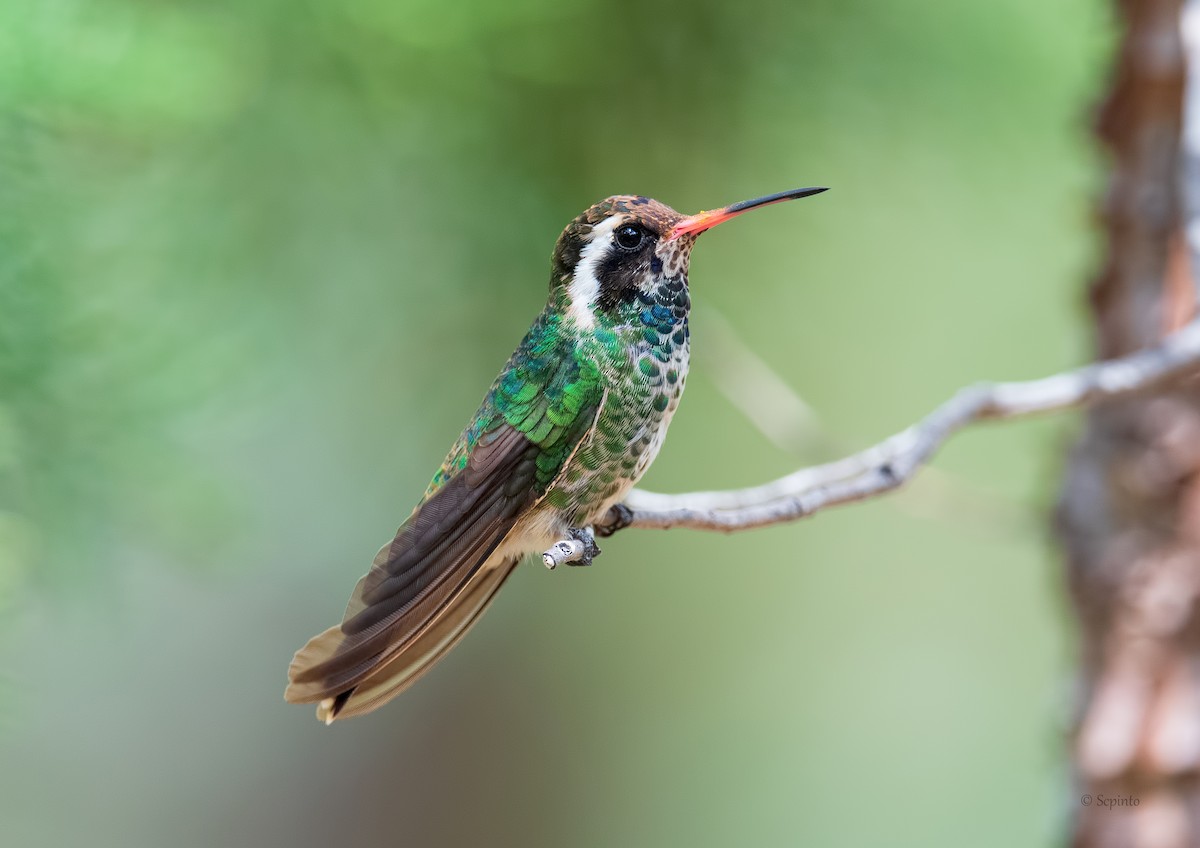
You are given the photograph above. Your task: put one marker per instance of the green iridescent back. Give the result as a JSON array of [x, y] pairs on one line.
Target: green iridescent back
[[549, 391]]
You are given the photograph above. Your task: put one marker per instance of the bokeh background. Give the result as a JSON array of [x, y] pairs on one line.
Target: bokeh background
[[260, 260]]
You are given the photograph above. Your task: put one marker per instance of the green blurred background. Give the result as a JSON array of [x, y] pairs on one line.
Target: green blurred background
[[260, 260]]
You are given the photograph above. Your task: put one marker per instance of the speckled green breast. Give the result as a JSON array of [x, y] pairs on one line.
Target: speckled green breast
[[644, 363]]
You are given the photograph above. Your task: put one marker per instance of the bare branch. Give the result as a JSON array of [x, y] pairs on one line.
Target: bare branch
[[566, 551], [784, 417], [894, 461]]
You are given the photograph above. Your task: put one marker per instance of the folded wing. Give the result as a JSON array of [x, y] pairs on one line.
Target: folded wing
[[441, 571]]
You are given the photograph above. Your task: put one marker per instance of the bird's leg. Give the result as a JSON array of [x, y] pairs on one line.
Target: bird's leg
[[580, 549], [617, 518]]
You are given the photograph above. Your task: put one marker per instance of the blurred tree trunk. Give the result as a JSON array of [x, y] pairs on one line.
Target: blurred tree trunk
[[1129, 514]]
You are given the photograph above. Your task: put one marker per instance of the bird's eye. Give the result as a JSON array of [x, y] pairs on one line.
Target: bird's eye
[[630, 237]]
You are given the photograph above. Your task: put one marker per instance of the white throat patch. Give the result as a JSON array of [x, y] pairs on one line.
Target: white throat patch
[[585, 285]]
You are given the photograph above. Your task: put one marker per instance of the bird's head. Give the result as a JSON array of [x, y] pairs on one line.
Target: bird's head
[[627, 244]]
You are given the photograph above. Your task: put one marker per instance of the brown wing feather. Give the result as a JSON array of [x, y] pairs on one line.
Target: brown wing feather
[[425, 576]]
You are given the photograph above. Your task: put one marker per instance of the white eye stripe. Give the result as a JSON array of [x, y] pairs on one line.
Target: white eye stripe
[[585, 285]]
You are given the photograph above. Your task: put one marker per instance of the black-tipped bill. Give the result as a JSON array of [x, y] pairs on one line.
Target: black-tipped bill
[[698, 223]]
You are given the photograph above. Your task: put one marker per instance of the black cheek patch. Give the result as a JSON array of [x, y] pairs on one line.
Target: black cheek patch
[[619, 274], [655, 264]]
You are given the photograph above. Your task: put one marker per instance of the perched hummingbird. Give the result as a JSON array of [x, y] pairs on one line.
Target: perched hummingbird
[[570, 425]]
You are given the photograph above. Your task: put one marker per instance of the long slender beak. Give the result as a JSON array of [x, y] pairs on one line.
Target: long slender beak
[[698, 223]]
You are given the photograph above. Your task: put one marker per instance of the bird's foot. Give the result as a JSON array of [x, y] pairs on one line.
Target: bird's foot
[[580, 549], [585, 537], [617, 518]]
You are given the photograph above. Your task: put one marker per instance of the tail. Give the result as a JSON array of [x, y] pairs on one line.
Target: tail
[[380, 678], [427, 586]]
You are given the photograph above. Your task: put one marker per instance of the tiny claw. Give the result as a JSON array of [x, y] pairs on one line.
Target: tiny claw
[[618, 518]]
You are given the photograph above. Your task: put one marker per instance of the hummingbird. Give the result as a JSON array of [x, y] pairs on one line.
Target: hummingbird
[[575, 418]]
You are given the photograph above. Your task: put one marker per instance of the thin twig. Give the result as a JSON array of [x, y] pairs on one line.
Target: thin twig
[[894, 461], [777, 410]]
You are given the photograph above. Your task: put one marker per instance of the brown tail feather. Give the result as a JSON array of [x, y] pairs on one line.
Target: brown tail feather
[[343, 656], [382, 677], [425, 587]]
